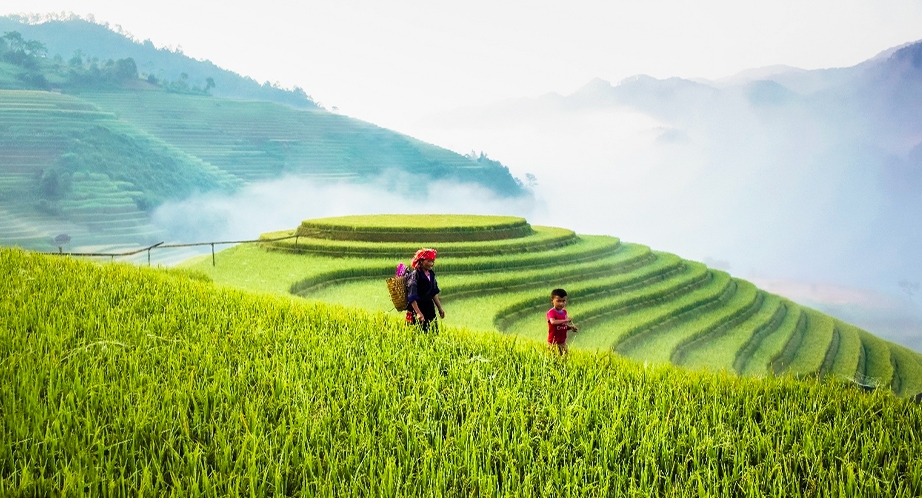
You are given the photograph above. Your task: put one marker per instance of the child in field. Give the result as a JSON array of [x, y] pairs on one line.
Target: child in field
[[558, 323]]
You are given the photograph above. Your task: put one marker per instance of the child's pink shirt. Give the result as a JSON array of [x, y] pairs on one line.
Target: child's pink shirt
[[556, 334]]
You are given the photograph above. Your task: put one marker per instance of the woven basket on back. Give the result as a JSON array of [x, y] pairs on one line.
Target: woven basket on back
[[397, 286]]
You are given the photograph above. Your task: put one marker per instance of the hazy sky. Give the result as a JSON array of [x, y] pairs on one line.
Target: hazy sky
[[391, 61]]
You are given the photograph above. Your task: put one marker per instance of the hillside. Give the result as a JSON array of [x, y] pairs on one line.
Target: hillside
[[70, 167], [65, 39], [643, 304], [262, 140], [91, 148], [149, 384]]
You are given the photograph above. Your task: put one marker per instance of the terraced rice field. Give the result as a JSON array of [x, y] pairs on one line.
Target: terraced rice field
[[643, 304], [99, 211], [261, 140], [187, 144]]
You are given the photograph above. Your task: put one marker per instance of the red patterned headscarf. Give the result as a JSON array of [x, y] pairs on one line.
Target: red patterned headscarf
[[423, 254]]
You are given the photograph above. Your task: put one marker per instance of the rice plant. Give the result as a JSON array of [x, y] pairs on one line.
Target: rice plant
[[121, 380]]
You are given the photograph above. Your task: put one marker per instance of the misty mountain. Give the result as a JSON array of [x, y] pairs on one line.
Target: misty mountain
[[70, 36], [863, 120], [807, 175]]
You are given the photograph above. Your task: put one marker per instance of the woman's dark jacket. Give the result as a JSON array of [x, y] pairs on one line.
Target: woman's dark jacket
[[422, 290]]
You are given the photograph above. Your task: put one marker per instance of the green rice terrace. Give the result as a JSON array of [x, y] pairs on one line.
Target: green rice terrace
[[95, 164], [132, 381], [496, 274], [256, 140], [70, 167]]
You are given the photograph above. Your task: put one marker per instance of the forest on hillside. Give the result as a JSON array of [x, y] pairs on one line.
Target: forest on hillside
[[68, 52], [30, 65]]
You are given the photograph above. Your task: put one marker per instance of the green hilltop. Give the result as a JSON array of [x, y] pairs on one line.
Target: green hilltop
[[496, 274], [134, 381], [77, 51], [90, 148]]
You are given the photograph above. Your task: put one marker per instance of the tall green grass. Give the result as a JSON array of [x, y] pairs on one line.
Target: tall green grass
[[127, 381]]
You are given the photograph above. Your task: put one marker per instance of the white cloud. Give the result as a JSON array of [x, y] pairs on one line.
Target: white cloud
[[282, 204]]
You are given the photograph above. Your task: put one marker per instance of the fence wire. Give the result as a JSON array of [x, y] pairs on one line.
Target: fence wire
[[163, 245]]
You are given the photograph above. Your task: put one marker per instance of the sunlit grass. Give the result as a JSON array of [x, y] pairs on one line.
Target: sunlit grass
[[128, 381]]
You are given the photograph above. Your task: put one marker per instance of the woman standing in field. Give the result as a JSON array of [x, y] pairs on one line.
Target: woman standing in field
[[423, 290]]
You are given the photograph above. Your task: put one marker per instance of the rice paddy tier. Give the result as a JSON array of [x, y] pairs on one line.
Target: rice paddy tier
[[399, 236], [496, 273], [414, 228]]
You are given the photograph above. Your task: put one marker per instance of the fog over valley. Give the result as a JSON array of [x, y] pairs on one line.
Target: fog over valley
[[282, 204]]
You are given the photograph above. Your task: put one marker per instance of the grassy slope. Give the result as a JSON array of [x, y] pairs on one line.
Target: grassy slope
[[648, 308], [147, 384]]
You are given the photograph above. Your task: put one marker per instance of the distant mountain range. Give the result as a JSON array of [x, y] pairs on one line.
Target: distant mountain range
[[829, 157], [807, 175]]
